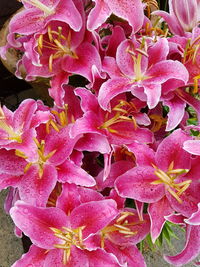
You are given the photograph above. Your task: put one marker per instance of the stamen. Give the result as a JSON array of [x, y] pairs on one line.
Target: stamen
[[168, 179], [196, 84], [51, 63], [50, 34], [70, 237]]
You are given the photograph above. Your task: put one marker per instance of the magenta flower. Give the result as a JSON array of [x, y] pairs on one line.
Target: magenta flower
[[141, 68], [38, 14], [63, 237], [183, 17], [118, 126]]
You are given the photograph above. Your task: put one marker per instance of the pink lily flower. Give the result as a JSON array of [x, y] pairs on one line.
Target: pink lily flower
[[57, 49], [182, 17], [121, 235], [152, 165], [115, 126], [17, 129], [169, 163], [143, 69], [63, 237], [126, 10], [38, 13]]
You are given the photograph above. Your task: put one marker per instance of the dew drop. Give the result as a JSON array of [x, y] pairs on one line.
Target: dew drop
[[68, 13], [41, 192], [25, 211], [27, 191]]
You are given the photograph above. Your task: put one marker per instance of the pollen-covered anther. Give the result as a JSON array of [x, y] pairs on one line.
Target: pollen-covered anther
[[168, 178], [58, 43], [123, 113], [196, 84], [122, 226], [69, 237], [42, 158], [158, 122]]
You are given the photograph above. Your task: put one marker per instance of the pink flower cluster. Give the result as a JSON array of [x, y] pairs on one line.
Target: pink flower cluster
[[131, 131]]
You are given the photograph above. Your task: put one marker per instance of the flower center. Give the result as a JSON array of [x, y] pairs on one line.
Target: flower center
[[69, 237], [122, 226], [42, 158], [59, 44], [158, 122], [191, 51], [123, 113], [168, 179], [12, 135], [36, 3], [62, 119]]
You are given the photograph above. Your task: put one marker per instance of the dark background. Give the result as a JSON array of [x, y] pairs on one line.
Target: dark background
[[9, 84]]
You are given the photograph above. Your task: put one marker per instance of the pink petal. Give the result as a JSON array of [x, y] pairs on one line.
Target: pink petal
[[67, 12], [190, 198], [23, 115], [77, 258], [158, 51], [27, 22], [10, 163], [170, 149], [136, 184], [93, 142], [117, 169], [117, 36], [71, 173], [171, 21], [89, 123], [191, 249], [112, 88], [94, 215], [56, 90], [192, 146], [145, 155], [132, 11], [36, 222], [88, 100], [153, 93], [36, 190], [165, 70], [87, 56], [162, 208], [98, 14], [195, 218], [100, 257], [126, 255], [34, 257], [61, 143], [176, 112]]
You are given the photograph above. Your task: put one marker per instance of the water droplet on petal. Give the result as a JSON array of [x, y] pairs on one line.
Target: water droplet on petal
[[27, 191], [25, 211], [68, 13]]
